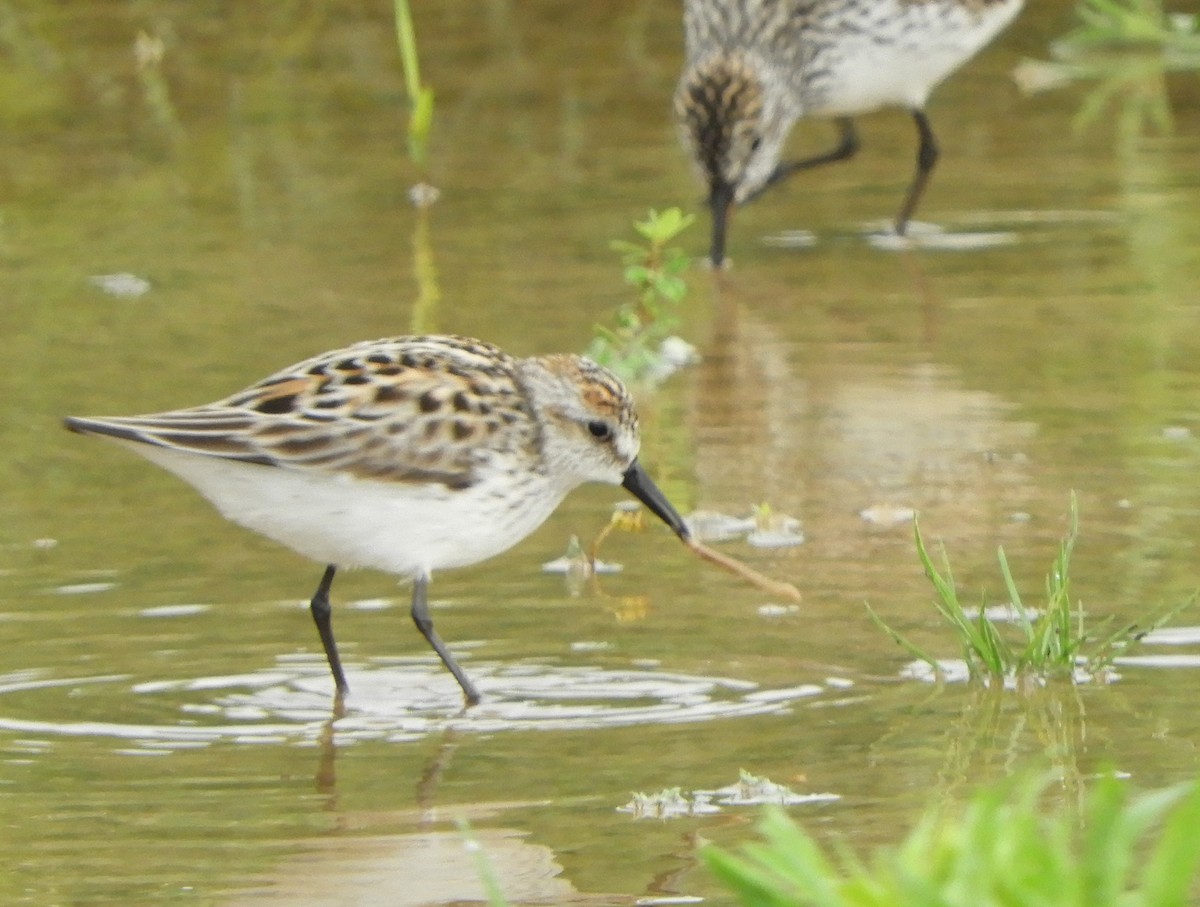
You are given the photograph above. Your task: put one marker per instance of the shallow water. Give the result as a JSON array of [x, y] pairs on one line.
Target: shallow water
[[165, 717]]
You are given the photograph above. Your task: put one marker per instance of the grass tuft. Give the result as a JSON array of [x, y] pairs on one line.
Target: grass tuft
[[1051, 641], [1002, 847]]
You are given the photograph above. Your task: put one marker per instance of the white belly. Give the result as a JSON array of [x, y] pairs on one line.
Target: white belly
[[399, 529], [905, 50]]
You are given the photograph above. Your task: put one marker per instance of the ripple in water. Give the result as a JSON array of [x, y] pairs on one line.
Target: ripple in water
[[401, 700]]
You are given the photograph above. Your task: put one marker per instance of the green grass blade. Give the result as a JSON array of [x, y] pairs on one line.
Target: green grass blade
[[491, 885], [901, 641], [980, 643], [420, 98], [1014, 597], [1168, 874], [406, 38]]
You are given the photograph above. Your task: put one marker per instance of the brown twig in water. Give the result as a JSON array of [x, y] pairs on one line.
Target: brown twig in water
[[774, 587]]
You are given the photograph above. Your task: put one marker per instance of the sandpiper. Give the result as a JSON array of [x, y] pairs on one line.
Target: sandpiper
[[754, 67], [407, 455]]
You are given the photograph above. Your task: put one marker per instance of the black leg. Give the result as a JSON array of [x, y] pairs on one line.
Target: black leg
[[927, 155], [321, 611], [847, 147], [420, 616]]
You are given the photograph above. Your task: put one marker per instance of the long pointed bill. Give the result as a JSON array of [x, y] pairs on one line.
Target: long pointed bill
[[637, 483], [641, 487], [721, 202]]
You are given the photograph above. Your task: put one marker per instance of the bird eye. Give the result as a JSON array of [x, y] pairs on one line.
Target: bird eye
[[599, 430], [756, 144]]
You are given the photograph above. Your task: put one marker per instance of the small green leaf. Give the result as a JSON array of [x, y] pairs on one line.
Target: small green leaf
[[673, 288], [637, 275]]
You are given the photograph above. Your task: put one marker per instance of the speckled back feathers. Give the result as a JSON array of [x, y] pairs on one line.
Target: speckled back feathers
[[426, 409]]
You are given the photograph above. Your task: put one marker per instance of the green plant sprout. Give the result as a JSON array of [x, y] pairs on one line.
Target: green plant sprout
[[1053, 644], [640, 347], [420, 97], [1002, 848]]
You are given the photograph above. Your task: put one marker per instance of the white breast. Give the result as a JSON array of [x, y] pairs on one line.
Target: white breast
[[401, 529], [899, 55]]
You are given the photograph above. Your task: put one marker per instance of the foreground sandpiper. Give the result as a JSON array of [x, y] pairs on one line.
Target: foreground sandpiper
[[407, 455], [754, 67]]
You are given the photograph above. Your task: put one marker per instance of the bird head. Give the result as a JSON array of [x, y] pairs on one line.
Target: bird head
[[727, 119], [589, 429]]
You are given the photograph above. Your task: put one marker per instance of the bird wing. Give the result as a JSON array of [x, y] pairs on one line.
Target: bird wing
[[408, 409]]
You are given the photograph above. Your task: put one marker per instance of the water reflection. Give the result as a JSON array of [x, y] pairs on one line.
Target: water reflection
[[409, 870], [878, 437]]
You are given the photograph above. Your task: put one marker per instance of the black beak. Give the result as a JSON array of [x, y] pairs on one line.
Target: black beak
[[637, 483], [720, 200]]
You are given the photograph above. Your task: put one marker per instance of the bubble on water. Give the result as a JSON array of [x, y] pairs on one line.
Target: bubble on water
[[122, 285], [83, 588], [370, 604], [887, 514], [791, 239], [173, 610]]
